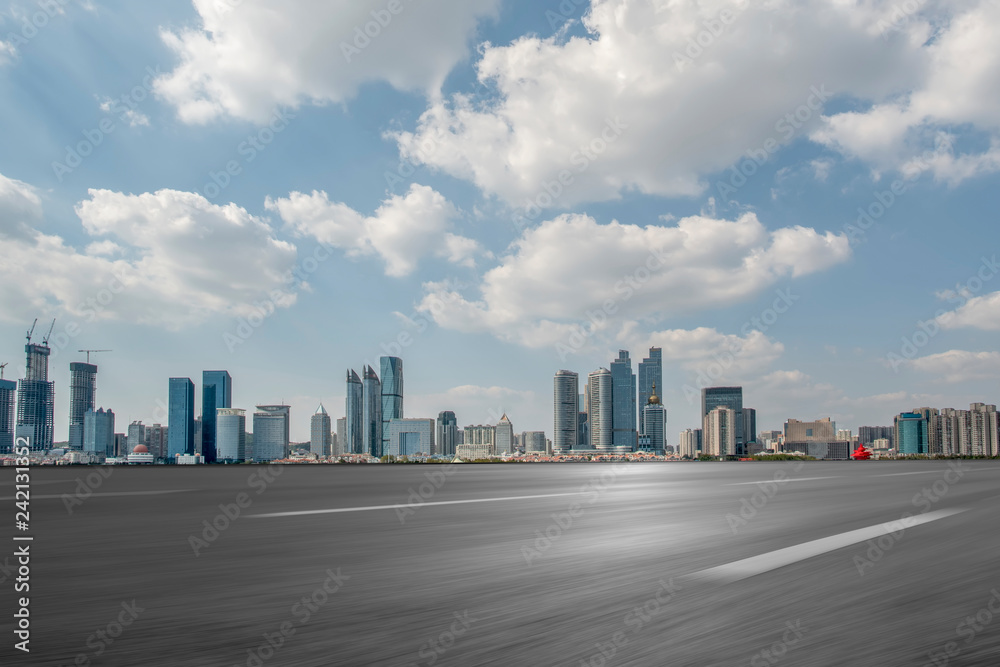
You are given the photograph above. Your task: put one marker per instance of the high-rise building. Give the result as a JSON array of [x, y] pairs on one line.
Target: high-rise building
[[845, 435], [650, 373], [270, 432], [727, 397], [447, 434], [983, 429], [230, 434], [371, 412], [720, 427], [534, 442], [408, 437], [601, 416], [582, 430], [320, 433], [354, 421], [481, 435], [821, 430], [158, 436], [391, 369], [339, 442], [137, 435], [99, 432], [565, 409], [121, 444], [911, 433], [216, 392], [623, 419], [654, 416], [180, 418], [505, 436], [82, 389], [749, 426], [7, 423], [689, 443], [36, 399], [869, 434]]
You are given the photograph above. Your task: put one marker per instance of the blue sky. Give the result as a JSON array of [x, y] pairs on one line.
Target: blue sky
[[409, 163]]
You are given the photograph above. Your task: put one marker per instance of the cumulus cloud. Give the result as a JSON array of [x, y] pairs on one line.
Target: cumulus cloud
[[572, 269], [956, 366], [713, 356], [246, 58], [404, 229], [981, 312], [169, 259], [685, 110]]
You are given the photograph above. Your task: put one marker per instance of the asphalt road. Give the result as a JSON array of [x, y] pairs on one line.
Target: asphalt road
[[560, 564]]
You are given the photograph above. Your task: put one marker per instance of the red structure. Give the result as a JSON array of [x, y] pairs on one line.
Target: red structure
[[861, 454]]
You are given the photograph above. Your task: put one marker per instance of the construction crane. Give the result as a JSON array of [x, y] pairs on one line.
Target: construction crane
[[32, 330], [89, 351], [2, 366], [45, 341]]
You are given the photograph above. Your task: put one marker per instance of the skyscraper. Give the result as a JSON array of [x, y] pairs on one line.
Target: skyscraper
[[339, 446], [392, 393], [354, 444], [623, 419], [720, 427], [216, 392], [158, 436], [749, 425], [371, 418], [534, 442], [7, 424], [230, 434], [505, 436], [180, 418], [729, 397], [654, 415], [911, 433], [82, 389], [650, 373], [600, 419], [565, 401], [447, 434], [407, 437], [137, 435], [270, 432], [320, 436], [99, 432], [36, 399]]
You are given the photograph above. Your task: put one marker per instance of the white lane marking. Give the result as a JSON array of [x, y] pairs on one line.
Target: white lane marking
[[783, 481], [370, 508], [749, 567], [922, 472], [105, 495]]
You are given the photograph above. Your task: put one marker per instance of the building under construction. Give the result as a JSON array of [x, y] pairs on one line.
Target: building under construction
[[36, 396]]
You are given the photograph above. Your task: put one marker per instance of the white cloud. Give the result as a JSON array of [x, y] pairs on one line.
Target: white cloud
[[571, 269], [981, 312], [404, 229], [713, 357], [180, 260], [246, 58], [131, 116], [956, 366], [20, 208], [550, 100]]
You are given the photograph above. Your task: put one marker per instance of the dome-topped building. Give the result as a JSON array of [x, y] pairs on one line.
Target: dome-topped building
[[140, 454]]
